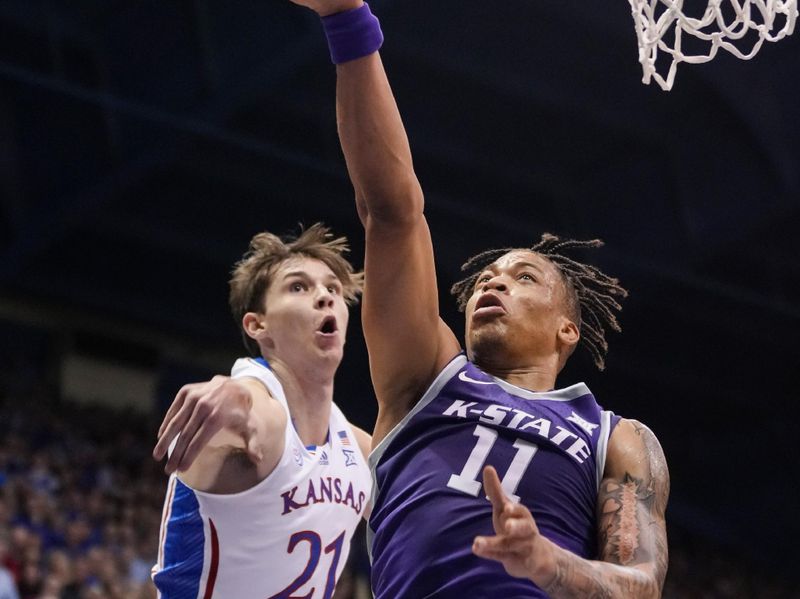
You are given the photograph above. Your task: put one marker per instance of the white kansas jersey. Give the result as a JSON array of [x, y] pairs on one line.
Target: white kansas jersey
[[288, 536]]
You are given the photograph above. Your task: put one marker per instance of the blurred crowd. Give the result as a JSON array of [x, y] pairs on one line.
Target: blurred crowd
[[701, 569], [80, 508], [80, 504]]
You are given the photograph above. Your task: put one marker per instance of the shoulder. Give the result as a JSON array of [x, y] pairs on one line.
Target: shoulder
[[256, 370], [634, 451], [629, 431]]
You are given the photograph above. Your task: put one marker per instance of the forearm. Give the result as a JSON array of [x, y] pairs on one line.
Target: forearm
[[578, 577], [526, 553], [374, 143]]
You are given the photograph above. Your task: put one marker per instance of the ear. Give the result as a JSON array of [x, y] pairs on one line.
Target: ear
[[568, 334], [255, 325]]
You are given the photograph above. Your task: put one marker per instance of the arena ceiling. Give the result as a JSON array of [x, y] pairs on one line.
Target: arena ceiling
[[142, 144]]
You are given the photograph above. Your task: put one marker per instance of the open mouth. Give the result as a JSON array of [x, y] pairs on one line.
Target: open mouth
[[328, 326], [489, 303], [488, 300]]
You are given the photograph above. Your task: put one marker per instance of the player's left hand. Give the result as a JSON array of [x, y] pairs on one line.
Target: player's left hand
[[518, 545], [200, 411]]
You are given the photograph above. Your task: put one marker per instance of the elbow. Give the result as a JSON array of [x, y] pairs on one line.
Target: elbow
[[652, 588], [644, 584], [399, 206]]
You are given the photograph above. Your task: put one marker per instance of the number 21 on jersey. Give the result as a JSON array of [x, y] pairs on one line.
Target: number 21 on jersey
[[315, 550]]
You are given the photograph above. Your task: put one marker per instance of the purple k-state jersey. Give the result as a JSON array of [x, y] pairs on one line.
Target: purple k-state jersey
[[429, 503]]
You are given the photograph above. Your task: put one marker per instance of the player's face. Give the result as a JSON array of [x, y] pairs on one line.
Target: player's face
[[305, 312], [516, 310]]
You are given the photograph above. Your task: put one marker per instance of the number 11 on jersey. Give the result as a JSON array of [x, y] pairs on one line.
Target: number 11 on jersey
[[467, 482]]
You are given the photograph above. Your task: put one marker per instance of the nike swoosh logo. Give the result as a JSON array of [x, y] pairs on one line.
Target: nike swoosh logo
[[463, 376]]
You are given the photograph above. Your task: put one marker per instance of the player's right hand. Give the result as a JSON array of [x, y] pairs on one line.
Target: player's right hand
[[200, 411], [517, 542], [328, 7]]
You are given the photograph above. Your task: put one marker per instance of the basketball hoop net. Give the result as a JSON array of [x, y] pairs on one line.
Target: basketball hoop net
[[655, 19]]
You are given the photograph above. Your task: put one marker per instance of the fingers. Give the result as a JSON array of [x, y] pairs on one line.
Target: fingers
[[169, 414], [200, 427], [206, 430], [494, 490], [200, 416], [198, 413], [205, 410], [181, 410], [512, 521], [514, 535], [208, 419], [517, 523], [495, 494], [177, 415], [254, 450], [177, 403], [501, 548]]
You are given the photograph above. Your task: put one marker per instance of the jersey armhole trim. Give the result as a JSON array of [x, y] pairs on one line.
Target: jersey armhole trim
[[602, 444]]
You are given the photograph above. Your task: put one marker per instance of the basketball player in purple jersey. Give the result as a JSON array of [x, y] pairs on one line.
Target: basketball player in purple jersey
[[578, 495]]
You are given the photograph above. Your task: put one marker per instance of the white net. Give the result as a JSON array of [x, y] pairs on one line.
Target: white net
[[738, 26]]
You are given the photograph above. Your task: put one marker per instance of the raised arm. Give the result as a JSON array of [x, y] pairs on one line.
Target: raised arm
[[632, 537], [407, 341]]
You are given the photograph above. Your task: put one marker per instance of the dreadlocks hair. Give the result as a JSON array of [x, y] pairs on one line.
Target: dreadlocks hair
[[592, 296]]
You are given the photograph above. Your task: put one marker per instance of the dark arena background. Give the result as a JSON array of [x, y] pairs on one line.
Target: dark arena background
[[143, 143]]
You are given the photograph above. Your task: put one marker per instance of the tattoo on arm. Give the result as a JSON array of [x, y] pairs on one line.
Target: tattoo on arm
[[631, 531], [632, 526]]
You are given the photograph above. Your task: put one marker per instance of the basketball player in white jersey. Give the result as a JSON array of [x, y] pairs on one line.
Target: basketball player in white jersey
[[268, 479]]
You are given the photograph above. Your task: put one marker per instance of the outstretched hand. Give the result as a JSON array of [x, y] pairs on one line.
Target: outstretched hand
[[328, 7], [517, 543], [200, 411]]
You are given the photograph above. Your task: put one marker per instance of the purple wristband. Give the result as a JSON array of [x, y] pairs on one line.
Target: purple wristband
[[352, 34]]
